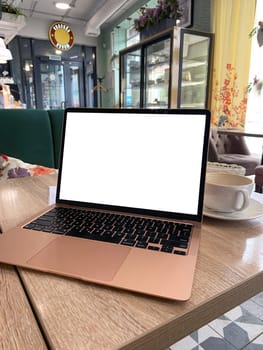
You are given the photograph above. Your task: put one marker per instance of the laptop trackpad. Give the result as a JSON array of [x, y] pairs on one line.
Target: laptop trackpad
[[80, 258]]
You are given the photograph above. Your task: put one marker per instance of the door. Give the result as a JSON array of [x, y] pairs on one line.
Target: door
[[74, 89], [59, 84], [195, 56], [130, 83], [157, 63]]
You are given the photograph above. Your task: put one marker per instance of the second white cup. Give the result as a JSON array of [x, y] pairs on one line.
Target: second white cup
[[227, 192]]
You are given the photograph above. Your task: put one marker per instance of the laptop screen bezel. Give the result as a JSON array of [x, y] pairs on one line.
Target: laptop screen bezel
[[147, 212]]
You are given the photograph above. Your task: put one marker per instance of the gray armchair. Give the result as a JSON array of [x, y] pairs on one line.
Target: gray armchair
[[231, 149]]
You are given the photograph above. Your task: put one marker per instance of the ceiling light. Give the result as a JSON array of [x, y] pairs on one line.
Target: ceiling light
[[62, 6]]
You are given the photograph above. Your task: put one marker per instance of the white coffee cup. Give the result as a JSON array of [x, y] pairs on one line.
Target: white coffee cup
[[227, 192]]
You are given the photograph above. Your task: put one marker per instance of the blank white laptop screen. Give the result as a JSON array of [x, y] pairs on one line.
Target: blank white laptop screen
[[147, 161]]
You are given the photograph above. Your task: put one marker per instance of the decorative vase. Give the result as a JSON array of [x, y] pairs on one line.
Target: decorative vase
[[156, 28]]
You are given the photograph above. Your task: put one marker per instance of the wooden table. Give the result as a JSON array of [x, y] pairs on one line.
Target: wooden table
[[19, 329], [18, 326], [80, 315]]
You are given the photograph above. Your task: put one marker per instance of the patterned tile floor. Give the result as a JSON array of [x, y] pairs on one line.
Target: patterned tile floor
[[240, 328]]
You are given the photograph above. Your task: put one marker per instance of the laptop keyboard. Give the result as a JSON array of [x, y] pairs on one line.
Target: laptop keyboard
[[144, 233]]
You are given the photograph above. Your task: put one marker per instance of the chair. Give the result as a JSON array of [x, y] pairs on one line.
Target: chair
[[231, 149], [259, 179]]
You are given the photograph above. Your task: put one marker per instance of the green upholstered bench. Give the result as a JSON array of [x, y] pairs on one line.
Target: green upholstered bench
[[32, 135]]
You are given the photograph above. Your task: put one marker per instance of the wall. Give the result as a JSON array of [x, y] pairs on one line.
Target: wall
[[202, 15], [38, 28]]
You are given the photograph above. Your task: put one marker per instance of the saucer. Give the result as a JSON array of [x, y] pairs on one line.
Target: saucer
[[254, 210]]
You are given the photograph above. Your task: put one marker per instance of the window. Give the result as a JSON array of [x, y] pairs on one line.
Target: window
[[254, 116]]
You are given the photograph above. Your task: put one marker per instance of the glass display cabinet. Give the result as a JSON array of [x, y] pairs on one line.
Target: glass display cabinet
[[131, 79], [169, 70]]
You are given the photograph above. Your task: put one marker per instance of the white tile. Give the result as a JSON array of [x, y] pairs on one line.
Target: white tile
[[256, 344], [189, 343], [253, 330], [215, 329], [206, 332], [218, 325], [258, 299], [258, 340], [186, 343], [253, 308], [234, 313]]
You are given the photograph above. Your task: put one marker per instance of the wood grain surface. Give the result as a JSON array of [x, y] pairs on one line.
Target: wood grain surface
[[18, 327]]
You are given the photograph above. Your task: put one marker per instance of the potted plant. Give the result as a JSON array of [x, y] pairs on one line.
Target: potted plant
[[12, 21], [165, 11], [7, 7]]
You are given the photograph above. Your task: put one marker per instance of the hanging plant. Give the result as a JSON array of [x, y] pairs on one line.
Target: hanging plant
[[8, 8], [151, 16]]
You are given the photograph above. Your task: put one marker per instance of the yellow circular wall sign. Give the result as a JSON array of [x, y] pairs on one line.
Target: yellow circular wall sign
[[61, 36]]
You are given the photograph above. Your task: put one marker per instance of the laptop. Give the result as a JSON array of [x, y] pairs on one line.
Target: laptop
[[129, 202]]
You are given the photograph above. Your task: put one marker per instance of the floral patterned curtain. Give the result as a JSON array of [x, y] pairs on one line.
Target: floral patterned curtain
[[232, 22]]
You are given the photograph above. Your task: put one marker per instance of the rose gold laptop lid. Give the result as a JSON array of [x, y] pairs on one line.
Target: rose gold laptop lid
[[138, 162]]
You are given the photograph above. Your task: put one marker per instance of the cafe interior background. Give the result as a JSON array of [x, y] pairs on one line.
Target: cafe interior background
[[88, 73]]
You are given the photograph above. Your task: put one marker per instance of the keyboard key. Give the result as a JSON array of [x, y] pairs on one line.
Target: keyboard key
[[152, 247], [154, 240], [59, 231], [174, 243], [179, 252], [167, 249], [141, 245], [128, 242]]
